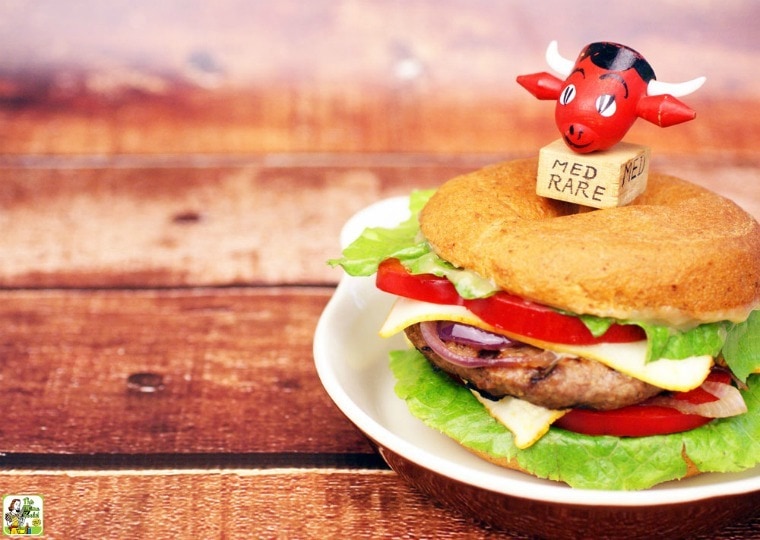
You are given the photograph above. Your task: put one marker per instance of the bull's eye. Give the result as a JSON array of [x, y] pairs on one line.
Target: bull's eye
[[605, 105], [567, 95]]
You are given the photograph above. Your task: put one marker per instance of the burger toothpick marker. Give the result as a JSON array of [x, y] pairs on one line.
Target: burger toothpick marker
[[602, 94]]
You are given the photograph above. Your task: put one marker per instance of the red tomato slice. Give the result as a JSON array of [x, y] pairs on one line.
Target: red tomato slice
[[393, 277], [699, 394], [642, 420], [633, 421], [502, 310], [525, 318]]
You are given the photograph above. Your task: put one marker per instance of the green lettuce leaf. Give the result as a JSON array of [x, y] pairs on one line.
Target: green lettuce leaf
[[405, 243], [581, 461], [741, 350], [664, 342], [596, 325], [467, 283], [375, 244]]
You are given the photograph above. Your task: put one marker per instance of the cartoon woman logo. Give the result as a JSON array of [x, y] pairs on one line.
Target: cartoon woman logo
[[13, 517]]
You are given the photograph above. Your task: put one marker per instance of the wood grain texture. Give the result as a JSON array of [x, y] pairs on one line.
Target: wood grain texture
[[253, 504], [159, 226], [82, 222], [451, 44], [345, 119], [332, 76], [236, 366], [242, 504]]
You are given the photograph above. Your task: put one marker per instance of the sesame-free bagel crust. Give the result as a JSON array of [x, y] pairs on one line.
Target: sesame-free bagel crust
[[679, 254]]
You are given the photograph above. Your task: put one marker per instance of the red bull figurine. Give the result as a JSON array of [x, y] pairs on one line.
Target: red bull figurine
[[602, 94], [604, 91]]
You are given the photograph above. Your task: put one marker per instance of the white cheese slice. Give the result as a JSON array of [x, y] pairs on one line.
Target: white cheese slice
[[406, 312], [526, 421], [629, 358]]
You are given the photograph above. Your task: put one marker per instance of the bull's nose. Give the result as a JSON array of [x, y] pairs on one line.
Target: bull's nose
[[579, 138], [571, 131]]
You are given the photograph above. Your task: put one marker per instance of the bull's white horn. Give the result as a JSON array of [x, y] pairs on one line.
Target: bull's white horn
[[656, 88], [561, 65]]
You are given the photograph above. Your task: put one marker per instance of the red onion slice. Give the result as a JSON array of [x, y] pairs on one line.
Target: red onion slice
[[473, 336], [534, 358], [729, 403]]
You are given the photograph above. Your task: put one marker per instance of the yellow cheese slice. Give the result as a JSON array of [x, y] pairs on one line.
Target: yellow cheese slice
[[526, 421], [629, 358], [406, 312]]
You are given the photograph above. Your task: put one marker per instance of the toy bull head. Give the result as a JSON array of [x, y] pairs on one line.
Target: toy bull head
[[604, 91]]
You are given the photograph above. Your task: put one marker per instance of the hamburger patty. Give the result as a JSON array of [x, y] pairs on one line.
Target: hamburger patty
[[545, 378]]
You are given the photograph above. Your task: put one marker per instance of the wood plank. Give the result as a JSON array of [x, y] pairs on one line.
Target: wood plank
[[169, 226], [240, 504], [135, 46], [253, 504], [166, 222], [231, 77], [235, 366], [272, 119]]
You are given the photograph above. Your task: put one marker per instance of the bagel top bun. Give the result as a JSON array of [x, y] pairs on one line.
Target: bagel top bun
[[678, 255]]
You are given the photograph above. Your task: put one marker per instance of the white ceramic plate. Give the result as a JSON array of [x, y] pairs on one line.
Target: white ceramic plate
[[352, 363]]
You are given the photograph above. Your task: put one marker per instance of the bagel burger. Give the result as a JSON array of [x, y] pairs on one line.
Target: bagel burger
[[607, 349]]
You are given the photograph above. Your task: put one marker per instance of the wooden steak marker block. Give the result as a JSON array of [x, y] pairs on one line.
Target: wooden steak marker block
[[605, 179]]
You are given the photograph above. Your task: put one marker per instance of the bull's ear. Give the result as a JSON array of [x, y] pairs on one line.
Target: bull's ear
[[542, 85], [664, 110]]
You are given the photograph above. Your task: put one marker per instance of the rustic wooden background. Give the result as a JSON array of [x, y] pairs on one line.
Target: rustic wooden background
[[173, 176]]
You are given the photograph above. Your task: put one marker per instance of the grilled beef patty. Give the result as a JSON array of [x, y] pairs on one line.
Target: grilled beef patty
[[543, 377]]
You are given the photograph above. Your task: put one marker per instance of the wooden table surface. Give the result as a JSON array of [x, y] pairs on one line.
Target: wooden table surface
[[172, 181]]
